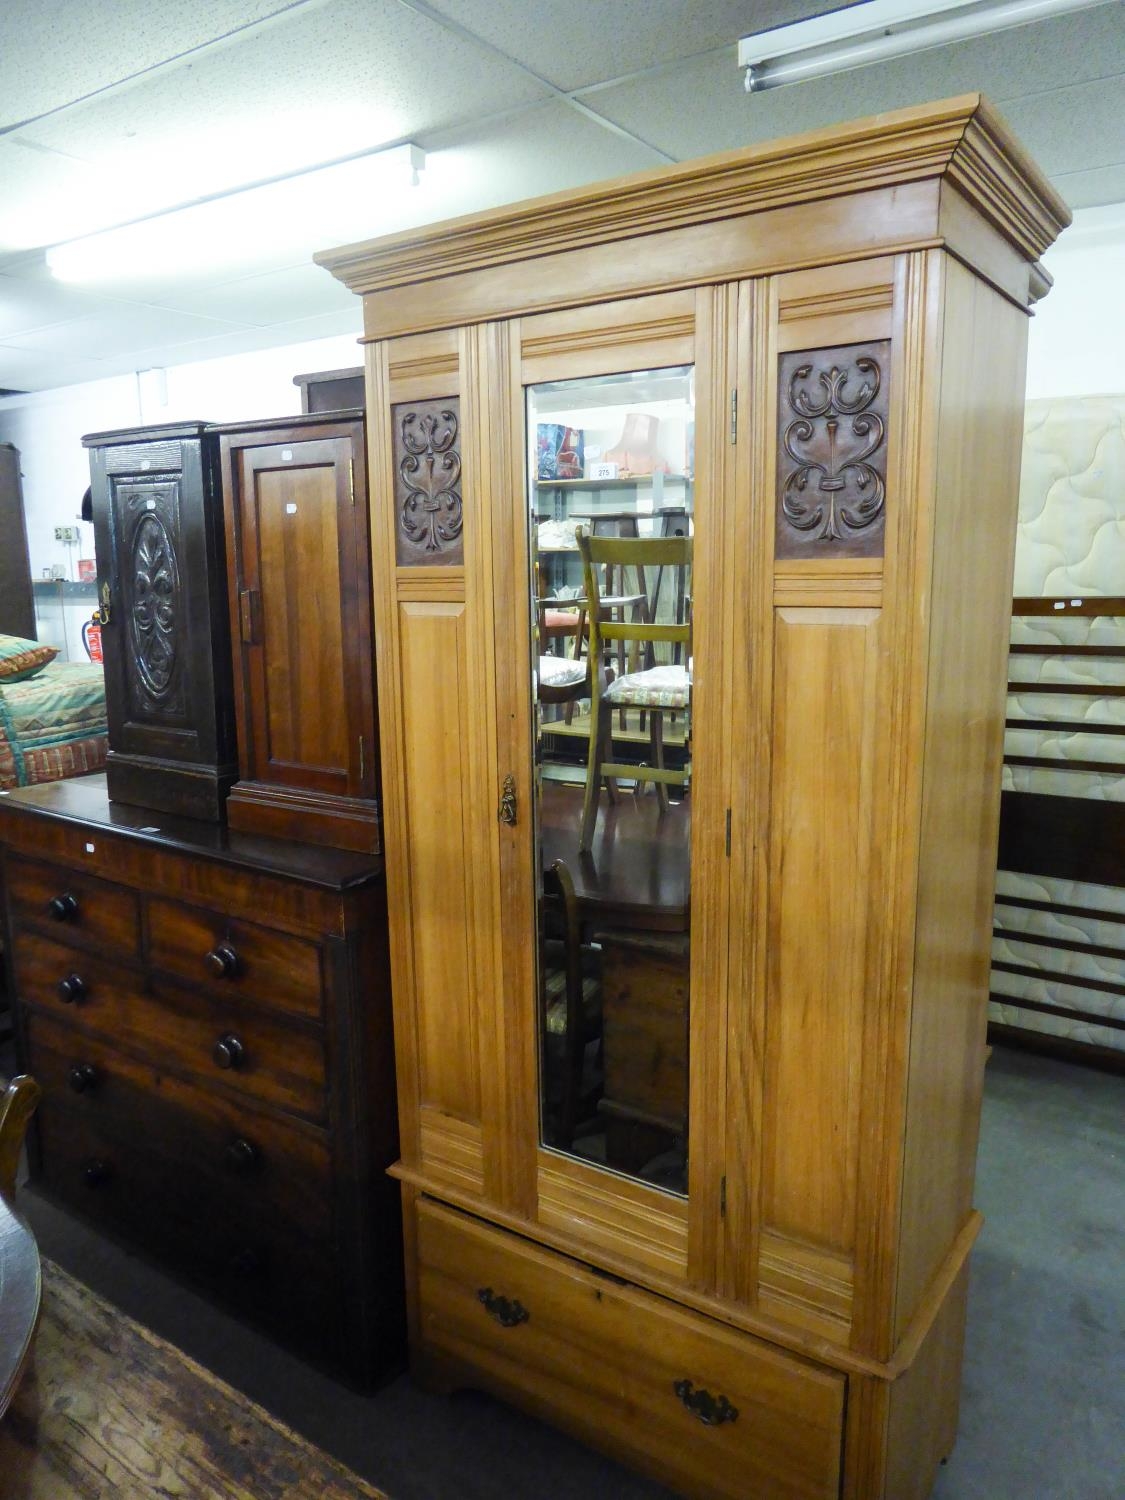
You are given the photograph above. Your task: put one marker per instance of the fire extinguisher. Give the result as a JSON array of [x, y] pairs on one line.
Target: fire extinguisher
[[92, 630], [92, 637]]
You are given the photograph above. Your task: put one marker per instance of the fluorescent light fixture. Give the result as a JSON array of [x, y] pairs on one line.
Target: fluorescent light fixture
[[273, 224], [878, 29]]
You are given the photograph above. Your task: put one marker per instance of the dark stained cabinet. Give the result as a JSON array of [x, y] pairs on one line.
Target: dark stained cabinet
[[158, 535], [297, 556], [329, 390], [17, 602], [209, 1016]]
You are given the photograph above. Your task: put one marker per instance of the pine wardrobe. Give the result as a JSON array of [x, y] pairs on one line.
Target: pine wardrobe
[[693, 501]]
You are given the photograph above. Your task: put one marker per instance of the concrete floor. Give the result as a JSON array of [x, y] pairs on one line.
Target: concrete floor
[[1043, 1408]]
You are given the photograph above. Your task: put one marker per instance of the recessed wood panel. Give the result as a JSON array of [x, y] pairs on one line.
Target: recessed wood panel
[[297, 555], [302, 640], [441, 872], [824, 728]]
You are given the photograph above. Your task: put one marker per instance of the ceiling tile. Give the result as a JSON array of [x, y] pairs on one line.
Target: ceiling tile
[[27, 303], [280, 296], [573, 45], [328, 82], [45, 195], [1072, 129], [542, 151], [299, 330], [93, 46], [121, 330], [1096, 186], [34, 370], [702, 106]]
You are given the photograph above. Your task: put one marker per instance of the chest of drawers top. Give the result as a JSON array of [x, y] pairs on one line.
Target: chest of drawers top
[[297, 888]]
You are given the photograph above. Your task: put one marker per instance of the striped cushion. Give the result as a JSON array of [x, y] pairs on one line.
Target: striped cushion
[[21, 658], [659, 687]]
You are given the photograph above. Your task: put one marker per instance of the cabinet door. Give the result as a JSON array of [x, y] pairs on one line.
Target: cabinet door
[[302, 612], [627, 421], [445, 455], [484, 775], [158, 534], [831, 578]]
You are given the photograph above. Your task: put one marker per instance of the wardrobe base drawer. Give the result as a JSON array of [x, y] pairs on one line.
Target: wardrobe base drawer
[[707, 1409]]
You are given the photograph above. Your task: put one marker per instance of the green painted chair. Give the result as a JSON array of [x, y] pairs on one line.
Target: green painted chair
[[654, 691]]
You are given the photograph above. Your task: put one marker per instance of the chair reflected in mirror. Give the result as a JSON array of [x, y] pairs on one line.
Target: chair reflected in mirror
[[653, 690], [571, 994]]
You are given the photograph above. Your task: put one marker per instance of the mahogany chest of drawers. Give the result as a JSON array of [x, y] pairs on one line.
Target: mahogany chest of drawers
[[209, 1017]]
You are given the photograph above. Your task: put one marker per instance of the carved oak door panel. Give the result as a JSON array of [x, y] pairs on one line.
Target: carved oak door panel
[[150, 591], [162, 593]]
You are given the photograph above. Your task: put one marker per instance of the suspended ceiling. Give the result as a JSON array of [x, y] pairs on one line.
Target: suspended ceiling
[[112, 110]]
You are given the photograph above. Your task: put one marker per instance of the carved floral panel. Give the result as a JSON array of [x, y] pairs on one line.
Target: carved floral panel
[[832, 451], [427, 459], [152, 596]]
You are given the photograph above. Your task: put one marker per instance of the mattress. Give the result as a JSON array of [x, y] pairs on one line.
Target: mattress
[[1070, 544], [53, 726]]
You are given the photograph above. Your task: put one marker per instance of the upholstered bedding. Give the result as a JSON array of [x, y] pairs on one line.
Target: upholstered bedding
[[53, 725], [1071, 543]]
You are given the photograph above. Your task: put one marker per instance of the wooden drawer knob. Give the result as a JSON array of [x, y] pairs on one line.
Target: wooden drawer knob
[[71, 989], [96, 1172], [82, 1077], [247, 1263], [229, 1052], [243, 1156], [63, 908], [222, 961]]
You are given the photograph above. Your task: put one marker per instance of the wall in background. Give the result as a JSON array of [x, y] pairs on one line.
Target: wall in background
[[1076, 344], [47, 426]]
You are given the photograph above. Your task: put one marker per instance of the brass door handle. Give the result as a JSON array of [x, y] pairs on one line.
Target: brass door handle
[[507, 810]]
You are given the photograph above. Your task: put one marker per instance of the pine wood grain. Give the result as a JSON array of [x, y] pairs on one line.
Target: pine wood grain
[[837, 833]]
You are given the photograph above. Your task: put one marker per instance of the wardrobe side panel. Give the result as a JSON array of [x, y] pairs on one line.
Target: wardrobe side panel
[[978, 446]]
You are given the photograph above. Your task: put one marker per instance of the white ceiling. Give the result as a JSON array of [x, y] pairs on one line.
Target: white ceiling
[[111, 110]]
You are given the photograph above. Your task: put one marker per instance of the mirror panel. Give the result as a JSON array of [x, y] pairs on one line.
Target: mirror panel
[[610, 462]]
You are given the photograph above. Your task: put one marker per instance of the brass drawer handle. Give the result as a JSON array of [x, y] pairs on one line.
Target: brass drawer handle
[[507, 1314], [222, 961], [63, 908], [712, 1411]]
